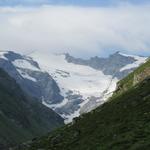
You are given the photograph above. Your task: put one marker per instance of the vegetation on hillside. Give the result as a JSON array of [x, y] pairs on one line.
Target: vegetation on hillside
[[21, 117]]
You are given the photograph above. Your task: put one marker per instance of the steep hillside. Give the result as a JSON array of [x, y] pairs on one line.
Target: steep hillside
[[22, 117], [121, 123], [133, 78]]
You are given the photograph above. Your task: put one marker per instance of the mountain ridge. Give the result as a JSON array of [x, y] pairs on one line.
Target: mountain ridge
[[69, 88], [119, 72]]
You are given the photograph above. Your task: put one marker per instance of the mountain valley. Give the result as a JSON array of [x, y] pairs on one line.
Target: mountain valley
[[68, 85]]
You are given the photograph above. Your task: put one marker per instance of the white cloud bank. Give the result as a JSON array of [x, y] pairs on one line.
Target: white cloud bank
[[76, 29]]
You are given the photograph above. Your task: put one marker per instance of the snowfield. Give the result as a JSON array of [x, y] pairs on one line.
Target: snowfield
[[80, 79]]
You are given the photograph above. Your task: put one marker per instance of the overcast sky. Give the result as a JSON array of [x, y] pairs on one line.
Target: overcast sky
[[82, 28]]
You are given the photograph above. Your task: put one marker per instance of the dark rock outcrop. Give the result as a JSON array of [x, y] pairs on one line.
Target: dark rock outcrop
[[109, 66]]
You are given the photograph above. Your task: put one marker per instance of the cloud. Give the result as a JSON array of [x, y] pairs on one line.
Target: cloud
[[78, 30]]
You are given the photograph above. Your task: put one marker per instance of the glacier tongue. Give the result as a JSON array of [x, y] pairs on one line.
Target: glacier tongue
[[79, 84]]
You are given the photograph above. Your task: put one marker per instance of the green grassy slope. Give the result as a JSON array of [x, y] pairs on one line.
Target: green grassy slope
[[128, 81], [22, 117], [123, 123]]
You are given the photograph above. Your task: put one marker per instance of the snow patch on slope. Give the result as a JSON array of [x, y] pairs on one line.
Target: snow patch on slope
[[24, 64], [58, 105], [2, 55], [26, 76], [69, 118], [139, 60]]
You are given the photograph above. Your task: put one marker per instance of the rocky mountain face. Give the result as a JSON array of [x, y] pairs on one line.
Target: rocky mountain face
[[30, 77], [70, 86], [121, 123], [112, 65], [21, 116]]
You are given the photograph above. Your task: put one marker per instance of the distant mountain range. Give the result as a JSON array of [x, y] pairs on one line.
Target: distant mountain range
[[70, 86]]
